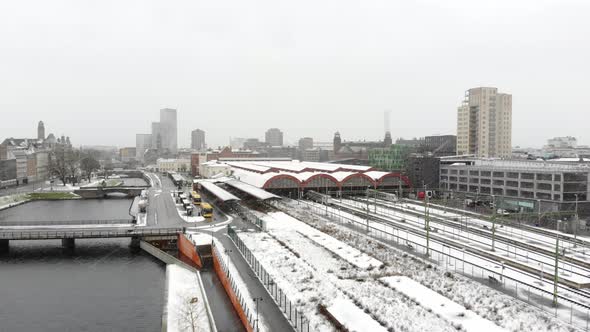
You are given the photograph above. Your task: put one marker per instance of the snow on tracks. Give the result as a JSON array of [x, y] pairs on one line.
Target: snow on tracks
[[456, 314], [281, 221]]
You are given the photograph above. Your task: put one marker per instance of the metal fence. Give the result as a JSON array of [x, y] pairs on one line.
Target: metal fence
[[568, 310], [297, 319], [246, 215], [250, 315]]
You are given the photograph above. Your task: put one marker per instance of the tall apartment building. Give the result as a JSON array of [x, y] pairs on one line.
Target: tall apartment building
[[274, 137], [169, 130], [198, 140], [484, 123]]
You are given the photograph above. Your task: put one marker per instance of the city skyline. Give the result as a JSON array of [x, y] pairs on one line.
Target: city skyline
[[284, 72]]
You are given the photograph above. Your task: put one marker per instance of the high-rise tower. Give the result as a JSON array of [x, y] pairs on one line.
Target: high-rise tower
[[484, 123], [41, 130]]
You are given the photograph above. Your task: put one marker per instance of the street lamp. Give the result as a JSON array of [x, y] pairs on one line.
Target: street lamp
[[576, 221], [227, 251], [257, 300]]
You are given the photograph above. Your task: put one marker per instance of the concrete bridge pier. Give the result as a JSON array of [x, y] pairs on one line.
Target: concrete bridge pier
[[135, 242], [69, 243], [4, 246]]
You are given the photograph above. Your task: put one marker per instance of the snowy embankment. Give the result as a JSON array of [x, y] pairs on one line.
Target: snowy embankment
[[13, 200], [186, 307], [353, 318], [488, 303], [311, 275], [280, 221], [460, 317]]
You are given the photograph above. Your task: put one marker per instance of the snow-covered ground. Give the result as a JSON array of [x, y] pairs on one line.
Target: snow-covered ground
[[503, 310], [456, 314], [311, 274], [353, 318], [280, 222], [186, 309], [12, 200], [505, 251], [511, 277]]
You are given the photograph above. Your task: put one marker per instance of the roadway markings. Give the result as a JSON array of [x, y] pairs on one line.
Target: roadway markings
[[156, 217]]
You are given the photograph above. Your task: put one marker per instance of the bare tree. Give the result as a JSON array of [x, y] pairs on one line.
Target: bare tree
[[88, 165], [73, 163], [191, 312], [58, 163]]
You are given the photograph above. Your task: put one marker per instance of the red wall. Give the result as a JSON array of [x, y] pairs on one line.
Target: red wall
[[230, 293], [187, 248]]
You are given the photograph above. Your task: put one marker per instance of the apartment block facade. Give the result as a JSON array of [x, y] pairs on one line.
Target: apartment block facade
[[484, 124]]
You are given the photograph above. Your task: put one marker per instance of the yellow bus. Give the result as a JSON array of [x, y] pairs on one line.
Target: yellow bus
[[207, 211], [196, 197]]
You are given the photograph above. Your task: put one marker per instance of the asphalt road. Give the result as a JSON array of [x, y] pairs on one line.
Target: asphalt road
[[162, 212]]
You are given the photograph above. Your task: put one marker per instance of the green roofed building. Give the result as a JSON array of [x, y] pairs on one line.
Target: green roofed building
[[393, 158]]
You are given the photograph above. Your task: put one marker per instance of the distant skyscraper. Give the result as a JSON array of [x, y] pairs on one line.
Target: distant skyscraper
[[198, 140], [237, 142], [274, 137], [169, 130], [156, 136], [484, 124], [305, 143], [41, 130], [142, 143]]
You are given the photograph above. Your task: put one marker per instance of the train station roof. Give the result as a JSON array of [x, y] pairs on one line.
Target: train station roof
[[251, 190], [219, 192]]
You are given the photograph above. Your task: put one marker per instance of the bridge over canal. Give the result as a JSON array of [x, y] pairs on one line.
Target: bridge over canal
[[102, 192], [68, 235]]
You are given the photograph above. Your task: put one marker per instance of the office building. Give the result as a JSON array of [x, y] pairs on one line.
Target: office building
[[143, 142], [522, 185], [484, 124], [156, 136], [169, 130], [305, 143], [274, 137], [198, 140], [441, 145]]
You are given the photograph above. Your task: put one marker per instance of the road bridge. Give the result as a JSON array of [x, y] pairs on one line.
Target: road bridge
[[102, 192], [68, 235]]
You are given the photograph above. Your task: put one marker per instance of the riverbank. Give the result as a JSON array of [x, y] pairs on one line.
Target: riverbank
[[187, 306], [18, 199]]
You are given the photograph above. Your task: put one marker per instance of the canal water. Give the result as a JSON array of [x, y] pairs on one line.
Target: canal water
[[102, 285]]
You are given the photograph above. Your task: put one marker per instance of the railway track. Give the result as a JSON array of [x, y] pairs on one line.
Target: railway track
[[487, 233], [564, 285]]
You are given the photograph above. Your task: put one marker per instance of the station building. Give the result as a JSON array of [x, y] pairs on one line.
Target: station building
[[295, 177]]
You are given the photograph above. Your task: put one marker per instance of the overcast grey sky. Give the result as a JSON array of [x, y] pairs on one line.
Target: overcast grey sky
[[99, 71]]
